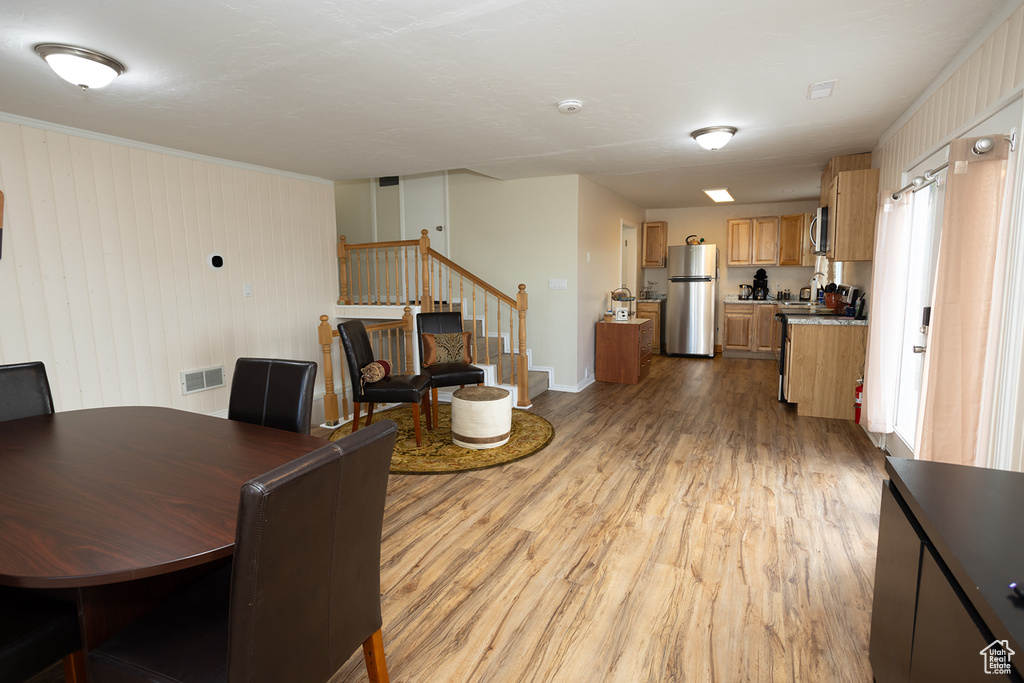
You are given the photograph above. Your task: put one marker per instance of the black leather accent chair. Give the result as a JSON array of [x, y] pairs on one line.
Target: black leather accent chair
[[391, 389], [273, 393], [35, 632], [24, 391], [303, 591], [445, 374]]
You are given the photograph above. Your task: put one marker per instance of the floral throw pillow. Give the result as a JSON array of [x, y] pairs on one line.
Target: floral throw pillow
[[453, 347]]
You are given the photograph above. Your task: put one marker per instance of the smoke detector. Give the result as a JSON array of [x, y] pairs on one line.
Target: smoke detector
[[570, 106]]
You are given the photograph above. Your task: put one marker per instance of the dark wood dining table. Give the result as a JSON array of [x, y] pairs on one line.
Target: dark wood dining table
[[116, 507]]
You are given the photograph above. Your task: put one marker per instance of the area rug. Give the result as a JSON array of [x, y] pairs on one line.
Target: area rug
[[438, 455]]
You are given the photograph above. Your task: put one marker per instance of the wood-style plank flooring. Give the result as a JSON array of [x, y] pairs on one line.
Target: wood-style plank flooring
[[689, 528]]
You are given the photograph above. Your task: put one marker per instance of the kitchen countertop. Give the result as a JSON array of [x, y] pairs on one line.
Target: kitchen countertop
[[813, 319], [735, 299]]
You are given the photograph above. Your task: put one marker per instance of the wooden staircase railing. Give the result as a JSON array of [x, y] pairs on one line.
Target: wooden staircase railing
[[410, 273]]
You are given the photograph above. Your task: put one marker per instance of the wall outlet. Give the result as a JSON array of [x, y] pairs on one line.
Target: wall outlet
[[246, 290], [558, 284]]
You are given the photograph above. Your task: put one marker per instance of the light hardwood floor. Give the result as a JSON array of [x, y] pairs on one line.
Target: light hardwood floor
[[689, 528]]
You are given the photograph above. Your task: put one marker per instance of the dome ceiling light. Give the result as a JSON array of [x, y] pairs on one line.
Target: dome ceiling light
[[79, 66], [714, 137]]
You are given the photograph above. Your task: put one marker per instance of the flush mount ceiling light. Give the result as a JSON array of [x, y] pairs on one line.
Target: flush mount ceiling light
[[714, 137], [720, 195], [81, 67]]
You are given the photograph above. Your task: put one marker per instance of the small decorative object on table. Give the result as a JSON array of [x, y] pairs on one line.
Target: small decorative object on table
[[622, 299]]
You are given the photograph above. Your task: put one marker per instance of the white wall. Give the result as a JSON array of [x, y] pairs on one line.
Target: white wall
[[710, 223], [524, 231], [601, 215], [104, 276], [353, 202]]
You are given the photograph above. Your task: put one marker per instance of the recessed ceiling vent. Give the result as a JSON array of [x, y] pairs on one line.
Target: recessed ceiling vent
[[193, 381], [819, 91]]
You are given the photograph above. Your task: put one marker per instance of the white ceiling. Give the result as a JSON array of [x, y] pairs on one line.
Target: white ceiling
[[366, 88]]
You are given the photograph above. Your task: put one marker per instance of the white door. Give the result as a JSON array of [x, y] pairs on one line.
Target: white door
[[926, 226], [630, 255], [425, 207]]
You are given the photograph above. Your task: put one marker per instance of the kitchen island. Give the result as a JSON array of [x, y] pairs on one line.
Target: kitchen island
[[823, 357]]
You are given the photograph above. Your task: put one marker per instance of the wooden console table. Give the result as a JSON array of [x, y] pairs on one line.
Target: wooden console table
[[949, 544]]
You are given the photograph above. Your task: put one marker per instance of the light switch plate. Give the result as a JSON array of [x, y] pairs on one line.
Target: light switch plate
[[558, 284]]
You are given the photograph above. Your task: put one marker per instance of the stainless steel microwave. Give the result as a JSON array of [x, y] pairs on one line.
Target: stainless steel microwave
[[819, 231]]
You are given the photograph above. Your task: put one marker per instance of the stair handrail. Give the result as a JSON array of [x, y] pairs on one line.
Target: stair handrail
[[423, 295]]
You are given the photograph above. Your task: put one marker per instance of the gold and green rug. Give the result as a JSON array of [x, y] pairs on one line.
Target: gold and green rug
[[438, 455]]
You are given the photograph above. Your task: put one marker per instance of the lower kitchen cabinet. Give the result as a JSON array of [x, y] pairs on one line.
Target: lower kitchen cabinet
[[942, 567], [750, 327], [623, 352], [652, 310], [823, 364]]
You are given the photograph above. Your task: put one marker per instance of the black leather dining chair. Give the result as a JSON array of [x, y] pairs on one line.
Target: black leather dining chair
[[303, 591], [391, 389], [273, 393], [35, 632], [24, 391], [445, 374]]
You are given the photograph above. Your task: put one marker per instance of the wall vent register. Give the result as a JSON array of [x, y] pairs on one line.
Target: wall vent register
[[193, 381]]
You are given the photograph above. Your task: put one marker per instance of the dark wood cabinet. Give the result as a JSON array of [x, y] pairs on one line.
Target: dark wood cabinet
[[623, 352], [948, 546]]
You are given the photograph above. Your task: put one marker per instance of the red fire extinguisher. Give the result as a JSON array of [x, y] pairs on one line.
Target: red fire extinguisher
[[857, 400]]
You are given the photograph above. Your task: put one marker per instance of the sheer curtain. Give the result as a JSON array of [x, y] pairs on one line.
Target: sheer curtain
[[885, 323], [961, 321]]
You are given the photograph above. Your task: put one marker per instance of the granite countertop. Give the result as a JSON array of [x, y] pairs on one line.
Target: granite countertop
[[812, 319], [735, 299], [655, 300]]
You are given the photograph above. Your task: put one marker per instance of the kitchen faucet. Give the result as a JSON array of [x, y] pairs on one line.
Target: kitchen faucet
[[813, 284]]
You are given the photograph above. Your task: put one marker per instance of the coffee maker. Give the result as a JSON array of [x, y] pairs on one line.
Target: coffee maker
[[761, 284]]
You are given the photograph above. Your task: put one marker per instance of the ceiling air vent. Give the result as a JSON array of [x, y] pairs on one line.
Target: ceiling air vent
[[201, 380]]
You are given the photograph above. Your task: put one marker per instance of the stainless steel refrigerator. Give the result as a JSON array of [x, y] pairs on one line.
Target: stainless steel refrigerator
[[692, 299]]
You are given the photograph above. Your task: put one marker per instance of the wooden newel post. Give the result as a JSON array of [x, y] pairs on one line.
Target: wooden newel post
[[522, 370], [426, 296], [344, 296], [409, 324], [326, 337]]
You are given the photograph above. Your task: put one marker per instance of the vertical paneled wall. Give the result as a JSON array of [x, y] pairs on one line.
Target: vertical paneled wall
[[104, 273], [993, 72]]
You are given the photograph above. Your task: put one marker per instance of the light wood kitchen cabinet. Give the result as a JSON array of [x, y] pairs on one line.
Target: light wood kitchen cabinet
[[823, 364], [836, 165], [623, 352], [655, 246], [652, 311], [738, 327], [795, 247], [750, 327], [753, 241], [767, 328], [740, 232], [851, 220]]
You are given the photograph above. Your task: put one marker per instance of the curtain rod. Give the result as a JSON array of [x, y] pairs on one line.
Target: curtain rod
[[981, 146]]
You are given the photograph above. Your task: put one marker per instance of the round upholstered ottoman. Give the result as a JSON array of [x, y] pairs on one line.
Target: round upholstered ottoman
[[481, 417]]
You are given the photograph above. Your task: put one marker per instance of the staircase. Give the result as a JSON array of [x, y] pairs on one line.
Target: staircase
[[392, 282]]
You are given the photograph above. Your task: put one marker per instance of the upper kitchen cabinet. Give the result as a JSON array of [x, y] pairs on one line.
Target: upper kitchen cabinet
[[655, 244], [753, 241], [853, 200], [795, 247], [836, 165]]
